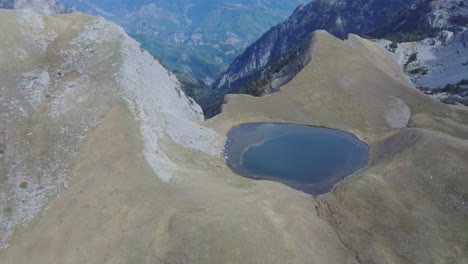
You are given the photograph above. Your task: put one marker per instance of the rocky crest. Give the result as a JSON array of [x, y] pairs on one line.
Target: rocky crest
[[60, 76]]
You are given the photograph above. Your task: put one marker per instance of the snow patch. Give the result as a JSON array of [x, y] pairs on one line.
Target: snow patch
[[434, 62]]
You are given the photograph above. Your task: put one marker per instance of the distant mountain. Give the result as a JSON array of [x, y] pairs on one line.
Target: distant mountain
[[43, 7], [433, 37], [339, 17], [200, 37], [424, 19]]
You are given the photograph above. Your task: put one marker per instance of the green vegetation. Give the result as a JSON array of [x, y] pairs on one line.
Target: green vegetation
[[257, 87], [200, 37], [23, 185], [209, 99], [279, 62], [407, 25], [459, 89], [459, 20], [449, 88], [392, 47], [412, 36], [411, 59], [200, 60], [420, 70]]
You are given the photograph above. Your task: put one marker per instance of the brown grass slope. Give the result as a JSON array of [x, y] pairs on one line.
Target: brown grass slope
[[409, 205]]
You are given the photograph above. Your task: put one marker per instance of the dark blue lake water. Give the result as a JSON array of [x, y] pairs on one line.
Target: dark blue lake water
[[310, 159]]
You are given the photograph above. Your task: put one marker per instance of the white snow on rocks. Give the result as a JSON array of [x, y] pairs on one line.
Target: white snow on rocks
[[434, 62]]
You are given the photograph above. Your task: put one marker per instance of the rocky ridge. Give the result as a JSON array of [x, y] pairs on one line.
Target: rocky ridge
[[49, 104]]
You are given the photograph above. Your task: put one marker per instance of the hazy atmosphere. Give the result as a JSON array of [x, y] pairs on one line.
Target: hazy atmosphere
[[219, 131]]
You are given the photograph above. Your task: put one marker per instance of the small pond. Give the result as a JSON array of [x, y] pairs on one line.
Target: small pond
[[307, 158]]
